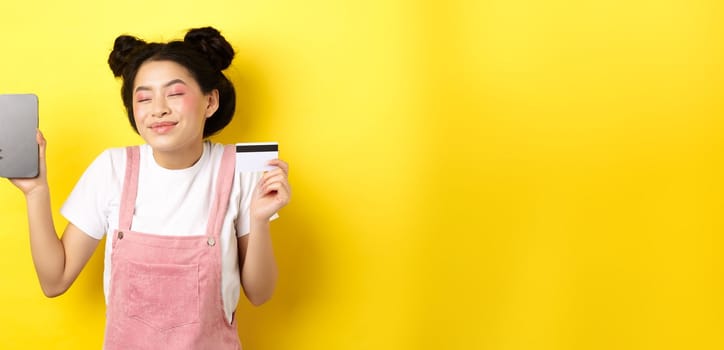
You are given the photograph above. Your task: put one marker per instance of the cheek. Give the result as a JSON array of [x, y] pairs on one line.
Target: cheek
[[138, 112], [186, 103]]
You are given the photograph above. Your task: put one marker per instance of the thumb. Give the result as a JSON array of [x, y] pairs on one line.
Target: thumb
[[42, 143]]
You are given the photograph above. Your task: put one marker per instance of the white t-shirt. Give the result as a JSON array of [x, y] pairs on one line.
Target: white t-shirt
[[169, 202]]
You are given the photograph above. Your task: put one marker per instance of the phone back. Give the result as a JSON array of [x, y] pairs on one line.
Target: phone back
[[18, 126]]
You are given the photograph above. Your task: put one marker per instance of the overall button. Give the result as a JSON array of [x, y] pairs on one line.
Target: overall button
[[211, 242], [120, 234]]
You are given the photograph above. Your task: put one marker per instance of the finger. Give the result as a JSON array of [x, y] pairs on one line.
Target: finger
[[280, 190], [270, 174], [272, 177], [281, 164], [281, 181], [286, 191], [280, 185], [41, 144]]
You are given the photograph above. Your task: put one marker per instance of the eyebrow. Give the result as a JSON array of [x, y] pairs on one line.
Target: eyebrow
[[175, 81]]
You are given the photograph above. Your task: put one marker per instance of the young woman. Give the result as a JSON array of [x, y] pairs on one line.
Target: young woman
[[185, 230]]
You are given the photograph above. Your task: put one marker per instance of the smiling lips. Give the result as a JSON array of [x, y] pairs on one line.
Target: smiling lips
[[162, 127]]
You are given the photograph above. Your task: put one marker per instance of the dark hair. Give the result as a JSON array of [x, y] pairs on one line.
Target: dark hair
[[204, 52]]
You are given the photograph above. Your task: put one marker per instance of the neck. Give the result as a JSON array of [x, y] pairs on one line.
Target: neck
[[179, 159]]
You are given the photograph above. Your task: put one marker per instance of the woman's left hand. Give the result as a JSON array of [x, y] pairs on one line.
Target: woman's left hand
[[272, 192]]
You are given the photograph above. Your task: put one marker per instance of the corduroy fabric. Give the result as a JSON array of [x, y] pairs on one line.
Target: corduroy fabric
[[166, 290]]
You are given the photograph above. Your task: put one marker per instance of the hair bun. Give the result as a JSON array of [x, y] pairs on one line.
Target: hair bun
[[120, 56], [209, 41]]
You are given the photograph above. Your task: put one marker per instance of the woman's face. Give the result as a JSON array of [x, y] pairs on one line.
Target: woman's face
[[169, 107]]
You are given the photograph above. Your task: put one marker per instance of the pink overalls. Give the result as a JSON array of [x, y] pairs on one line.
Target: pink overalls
[[165, 291]]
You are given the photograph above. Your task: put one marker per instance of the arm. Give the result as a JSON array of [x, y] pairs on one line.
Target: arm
[[57, 261], [256, 256], [258, 265]]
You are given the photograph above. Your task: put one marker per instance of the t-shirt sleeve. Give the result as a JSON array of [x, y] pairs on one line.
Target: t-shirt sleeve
[[248, 181], [87, 207]]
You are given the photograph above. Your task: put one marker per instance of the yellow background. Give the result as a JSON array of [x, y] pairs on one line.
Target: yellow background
[[503, 174]]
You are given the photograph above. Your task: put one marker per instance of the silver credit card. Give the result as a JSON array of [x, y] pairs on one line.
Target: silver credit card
[[255, 156]]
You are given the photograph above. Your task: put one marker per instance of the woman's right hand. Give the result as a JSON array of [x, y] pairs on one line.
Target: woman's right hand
[[41, 181]]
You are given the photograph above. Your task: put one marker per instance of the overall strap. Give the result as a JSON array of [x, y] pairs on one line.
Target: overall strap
[[224, 183], [130, 188]]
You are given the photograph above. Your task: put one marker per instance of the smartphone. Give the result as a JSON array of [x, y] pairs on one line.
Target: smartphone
[[18, 128]]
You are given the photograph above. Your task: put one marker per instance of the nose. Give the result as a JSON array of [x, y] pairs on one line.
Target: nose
[[160, 108]]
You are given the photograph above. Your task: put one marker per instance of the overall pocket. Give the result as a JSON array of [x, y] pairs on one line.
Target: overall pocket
[[162, 296]]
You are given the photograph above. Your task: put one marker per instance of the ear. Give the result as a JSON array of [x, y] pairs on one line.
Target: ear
[[212, 103]]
